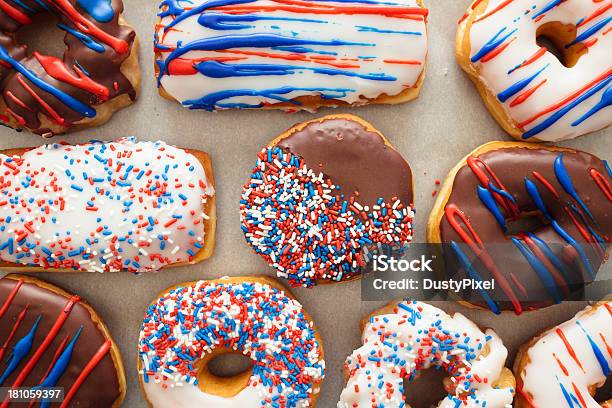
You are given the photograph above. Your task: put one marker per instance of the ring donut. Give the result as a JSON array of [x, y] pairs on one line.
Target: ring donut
[[404, 338], [320, 194], [564, 366], [50, 338], [99, 72], [532, 93], [566, 192], [192, 323]]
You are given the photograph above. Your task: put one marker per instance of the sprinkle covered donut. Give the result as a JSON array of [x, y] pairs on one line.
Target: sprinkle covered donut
[[290, 54], [402, 339], [49, 338], [533, 94], [564, 194], [105, 207], [98, 74], [564, 366], [192, 323], [323, 192]]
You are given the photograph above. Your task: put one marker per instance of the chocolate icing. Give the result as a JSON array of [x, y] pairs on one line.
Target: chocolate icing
[[512, 166], [355, 159], [101, 388], [103, 68]]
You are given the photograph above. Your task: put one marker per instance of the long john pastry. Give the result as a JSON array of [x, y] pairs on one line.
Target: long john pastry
[[290, 54], [565, 193], [564, 366], [254, 316], [105, 207], [50, 338], [98, 74], [532, 93]]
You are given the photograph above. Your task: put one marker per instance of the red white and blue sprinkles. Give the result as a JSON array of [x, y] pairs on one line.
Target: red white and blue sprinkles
[[249, 317], [415, 336], [102, 207], [292, 216]]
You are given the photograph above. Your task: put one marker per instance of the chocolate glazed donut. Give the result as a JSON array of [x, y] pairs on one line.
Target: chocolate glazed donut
[[568, 195], [51, 338], [99, 72]]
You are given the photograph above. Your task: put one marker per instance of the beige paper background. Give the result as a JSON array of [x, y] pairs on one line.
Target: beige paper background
[[433, 133]]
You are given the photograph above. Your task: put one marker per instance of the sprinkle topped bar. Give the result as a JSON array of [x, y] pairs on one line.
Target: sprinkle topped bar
[[242, 315], [289, 54], [123, 205], [408, 337]]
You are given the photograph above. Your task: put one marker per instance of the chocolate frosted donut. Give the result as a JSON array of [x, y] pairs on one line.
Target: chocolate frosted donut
[[50, 338], [566, 193], [99, 72], [321, 193]]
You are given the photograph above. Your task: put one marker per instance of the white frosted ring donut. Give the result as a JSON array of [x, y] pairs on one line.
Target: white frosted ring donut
[[529, 91], [404, 338]]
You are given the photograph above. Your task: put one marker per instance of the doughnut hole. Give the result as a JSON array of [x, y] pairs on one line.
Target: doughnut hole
[[528, 222], [49, 43], [555, 36], [224, 373], [604, 393], [432, 381]]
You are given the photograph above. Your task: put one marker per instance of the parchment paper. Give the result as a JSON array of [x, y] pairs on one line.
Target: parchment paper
[[432, 132]]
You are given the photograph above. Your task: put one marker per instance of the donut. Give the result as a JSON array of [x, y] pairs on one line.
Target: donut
[[105, 207], [192, 323], [98, 74], [535, 92], [564, 366], [404, 338], [563, 197], [50, 338], [290, 55], [322, 196]]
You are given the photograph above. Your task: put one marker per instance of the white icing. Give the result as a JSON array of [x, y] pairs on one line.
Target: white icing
[[561, 82], [402, 341], [81, 193], [543, 377], [385, 38]]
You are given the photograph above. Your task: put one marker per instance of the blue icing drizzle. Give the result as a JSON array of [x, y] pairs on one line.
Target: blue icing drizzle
[[608, 169], [503, 193], [539, 268], [20, 350], [66, 99], [533, 191], [601, 359], [606, 100], [304, 50], [251, 41], [548, 7], [493, 43], [590, 32], [85, 39], [566, 394], [519, 86], [487, 199], [100, 10], [181, 14], [214, 69], [551, 120], [59, 368], [384, 31], [467, 265], [210, 101], [566, 182], [554, 259], [217, 21]]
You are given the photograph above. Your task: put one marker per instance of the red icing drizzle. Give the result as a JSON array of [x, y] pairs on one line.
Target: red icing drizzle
[[495, 10], [546, 184], [52, 113], [563, 368], [10, 298], [602, 183], [476, 245], [95, 360], [13, 331], [56, 68], [487, 176], [544, 259], [569, 347], [14, 13], [43, 346], [522, 97]]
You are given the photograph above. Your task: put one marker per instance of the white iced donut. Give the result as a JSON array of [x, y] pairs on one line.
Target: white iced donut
[[404, 338], [290, 54], [529, 91], [194, 322], [565, 365]]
